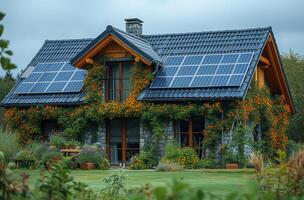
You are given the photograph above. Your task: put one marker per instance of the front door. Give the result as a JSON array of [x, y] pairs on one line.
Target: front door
[[123, 139]]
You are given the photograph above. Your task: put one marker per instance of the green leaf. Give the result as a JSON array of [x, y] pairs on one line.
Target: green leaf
[[1, 15], [1, 29], [6, 63], [3, 43], [8, 52]]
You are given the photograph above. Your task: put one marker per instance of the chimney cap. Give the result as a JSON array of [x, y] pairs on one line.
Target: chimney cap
[[134, 20]]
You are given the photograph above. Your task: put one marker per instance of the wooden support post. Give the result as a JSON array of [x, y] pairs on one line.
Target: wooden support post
[[190, 133], [123, 138], [120, 82]]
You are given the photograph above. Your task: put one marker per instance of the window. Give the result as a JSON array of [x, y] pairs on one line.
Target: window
[[118, 83], [124, 137], [190, 134]]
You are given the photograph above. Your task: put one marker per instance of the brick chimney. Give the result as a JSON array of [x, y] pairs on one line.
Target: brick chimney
[[134, 26]]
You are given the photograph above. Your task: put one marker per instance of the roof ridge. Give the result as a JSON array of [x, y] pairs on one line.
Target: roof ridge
[[124, 32], [76, 39], [216, 31]]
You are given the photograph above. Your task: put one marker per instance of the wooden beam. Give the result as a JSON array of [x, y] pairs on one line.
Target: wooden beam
[[264, 60], [190, 133], [120, 81], [89, 61]]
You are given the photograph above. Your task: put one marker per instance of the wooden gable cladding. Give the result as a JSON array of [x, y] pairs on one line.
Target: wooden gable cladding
[[269, 71], [111, 47], [114, 50]]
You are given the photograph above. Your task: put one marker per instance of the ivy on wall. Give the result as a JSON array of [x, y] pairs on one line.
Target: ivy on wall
[[258, 108]]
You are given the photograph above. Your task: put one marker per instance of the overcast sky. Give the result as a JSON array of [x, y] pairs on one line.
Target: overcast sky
[[29, 22]]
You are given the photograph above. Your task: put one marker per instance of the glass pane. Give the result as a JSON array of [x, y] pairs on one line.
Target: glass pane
[[168, 71], [126, 80], [240, 69], [245, 58], [198, 124], [230, 58], [193, 60], [235, 80], [132, 137], [113, 81], [181, 82], [33, 77], [47, 77], [220, 81], [56, 87], [212, 59], [73, 86], [78, 75], [63, 76], [207, 69], [39, 87], [24, 87], [115, 141], [202, 81], [225, 69], [187, 70], [176, 60], [68, 67], [161, 82]]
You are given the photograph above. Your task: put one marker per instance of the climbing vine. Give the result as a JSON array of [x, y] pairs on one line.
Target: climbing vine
[[258, 108]]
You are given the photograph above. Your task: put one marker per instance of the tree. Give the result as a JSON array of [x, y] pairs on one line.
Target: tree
[[5, 53], [6, 84], [294, 68]]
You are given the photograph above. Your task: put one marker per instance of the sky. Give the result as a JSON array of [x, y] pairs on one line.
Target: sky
[[29, 23]]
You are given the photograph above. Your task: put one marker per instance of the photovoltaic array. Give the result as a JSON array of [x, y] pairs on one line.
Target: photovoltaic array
[[58, 77], [201, 71]]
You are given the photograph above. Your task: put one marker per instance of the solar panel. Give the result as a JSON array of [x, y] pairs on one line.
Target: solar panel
[[52, 78], [196, 71]]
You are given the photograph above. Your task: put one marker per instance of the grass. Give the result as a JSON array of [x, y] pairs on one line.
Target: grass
[[215, 181]]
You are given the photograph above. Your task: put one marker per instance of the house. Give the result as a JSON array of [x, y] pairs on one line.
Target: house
[[185, 68]]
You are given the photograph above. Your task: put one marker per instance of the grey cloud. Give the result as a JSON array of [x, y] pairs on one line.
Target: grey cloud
[[29, 23]]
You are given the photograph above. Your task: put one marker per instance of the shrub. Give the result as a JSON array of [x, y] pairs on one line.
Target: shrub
[[11, 165], [38, 150], [165, 166], [137, 163], [25, 155], [89, 155], [51, 155], [188, 158], [282, 180], [115, 186], [9, 144], [185, 157], [171, 151], [104, 164], [72, 143], [57, 141], [207, 163]]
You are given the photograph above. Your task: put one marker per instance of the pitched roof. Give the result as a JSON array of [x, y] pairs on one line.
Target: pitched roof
[[139, 45], [200, 43], [155, 48]]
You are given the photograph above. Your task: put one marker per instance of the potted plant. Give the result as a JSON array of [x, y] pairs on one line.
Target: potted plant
[[51, 157], [88, 158], [231, 160], [57, 141]]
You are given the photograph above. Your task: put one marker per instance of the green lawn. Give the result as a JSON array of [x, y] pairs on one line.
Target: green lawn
[[215, 181]]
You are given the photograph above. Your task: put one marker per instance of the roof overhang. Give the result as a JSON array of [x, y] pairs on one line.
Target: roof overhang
[[275, 60], [103, 40]]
